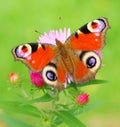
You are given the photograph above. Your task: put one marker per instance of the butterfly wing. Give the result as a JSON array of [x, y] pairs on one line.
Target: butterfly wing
[[34, 55], [44, 58], [82, 44], [54, 74], [86, 65], [91, 36]]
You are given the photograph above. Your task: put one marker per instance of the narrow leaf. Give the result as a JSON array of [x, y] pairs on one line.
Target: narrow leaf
[[79, 110], [91, 82], [17, 107], [69, 119], [13, 122], [44, 98]]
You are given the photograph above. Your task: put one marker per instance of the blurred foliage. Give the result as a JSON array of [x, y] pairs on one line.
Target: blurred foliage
[[18, 21], [24, 113]]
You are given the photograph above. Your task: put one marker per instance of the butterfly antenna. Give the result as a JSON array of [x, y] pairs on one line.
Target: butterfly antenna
[[59, 21], [38, 32]]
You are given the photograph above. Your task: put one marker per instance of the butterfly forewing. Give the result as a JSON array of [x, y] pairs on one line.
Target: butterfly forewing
[[34, 55], [90, 36]]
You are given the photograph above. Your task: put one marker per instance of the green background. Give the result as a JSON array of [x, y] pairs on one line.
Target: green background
[[20, 18]]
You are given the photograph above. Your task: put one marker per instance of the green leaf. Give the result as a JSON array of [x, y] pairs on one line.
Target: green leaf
[[44, 98], [17, 107], [69, 119], [79, 110], [29, 110], [91, 82], [13, 122]]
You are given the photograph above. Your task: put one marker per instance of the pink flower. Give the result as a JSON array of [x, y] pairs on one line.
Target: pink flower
[[82, 99], [36, 79], [99, 53], [13, 77], [60, 35]]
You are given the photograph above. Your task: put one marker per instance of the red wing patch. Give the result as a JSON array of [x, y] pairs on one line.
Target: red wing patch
[[91, 41], [80, 70], [34, 55], [91, 36], [40, 58], [61, 73]]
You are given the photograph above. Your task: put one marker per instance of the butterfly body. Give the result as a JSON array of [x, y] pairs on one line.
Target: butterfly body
[[64, 54], [75, 59]]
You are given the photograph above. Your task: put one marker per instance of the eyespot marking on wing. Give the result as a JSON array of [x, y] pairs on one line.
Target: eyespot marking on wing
[[23, 51], [91, 60], [97, 25]]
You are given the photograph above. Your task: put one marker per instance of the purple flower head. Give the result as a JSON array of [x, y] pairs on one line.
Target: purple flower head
[[99, 53], [36, 79], [60, 35]]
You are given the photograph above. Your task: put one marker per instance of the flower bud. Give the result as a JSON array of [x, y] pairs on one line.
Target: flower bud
[[82, 99], [13, 77]]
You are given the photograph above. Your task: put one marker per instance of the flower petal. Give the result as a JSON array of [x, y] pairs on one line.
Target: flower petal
[[50, 38]]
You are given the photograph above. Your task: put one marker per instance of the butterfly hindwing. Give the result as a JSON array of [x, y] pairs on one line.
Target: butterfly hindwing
[[86, 65], [54, 73], [91, 36], [34, 55]]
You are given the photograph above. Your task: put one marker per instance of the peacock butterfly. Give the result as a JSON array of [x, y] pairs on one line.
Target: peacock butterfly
[[75, 58]]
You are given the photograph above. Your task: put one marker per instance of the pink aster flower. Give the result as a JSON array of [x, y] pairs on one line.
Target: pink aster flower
[[36, 79], [60, 35], [99, 53], [82, 99]]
